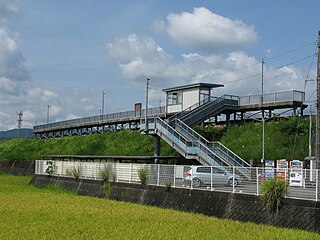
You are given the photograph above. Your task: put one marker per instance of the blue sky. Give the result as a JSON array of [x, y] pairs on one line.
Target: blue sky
[[65, 53]]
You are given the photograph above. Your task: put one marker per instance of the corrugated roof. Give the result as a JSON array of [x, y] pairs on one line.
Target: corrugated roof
[[194, 85]]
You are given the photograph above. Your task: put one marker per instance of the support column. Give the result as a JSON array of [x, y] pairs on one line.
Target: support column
[[156, 149], [228, 119], [234, 117]]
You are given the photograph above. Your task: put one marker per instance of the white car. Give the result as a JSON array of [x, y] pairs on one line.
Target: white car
[[205, 175]]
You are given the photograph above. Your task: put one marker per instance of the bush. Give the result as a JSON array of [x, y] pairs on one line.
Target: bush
[[107, 173], [50, 167], [75, 172], [143, 175], [107, 189], [273, 192]]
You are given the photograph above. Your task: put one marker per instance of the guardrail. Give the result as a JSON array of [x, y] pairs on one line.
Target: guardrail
[[286, 96], [210, 178], [103, 118]]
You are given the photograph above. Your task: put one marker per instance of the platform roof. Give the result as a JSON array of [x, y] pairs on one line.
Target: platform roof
[[194, 85]]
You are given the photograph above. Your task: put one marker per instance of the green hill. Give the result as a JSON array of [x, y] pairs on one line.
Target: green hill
[[283, 139]]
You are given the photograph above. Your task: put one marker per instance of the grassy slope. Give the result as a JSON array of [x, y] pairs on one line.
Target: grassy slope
[[283, 139], [30, 213], [122, 143]]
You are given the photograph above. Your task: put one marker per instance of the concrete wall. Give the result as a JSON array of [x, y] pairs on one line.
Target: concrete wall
[[294, 213], [190, 97], [17, 167]]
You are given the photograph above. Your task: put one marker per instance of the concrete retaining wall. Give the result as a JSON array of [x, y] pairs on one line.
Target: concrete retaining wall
[[17, 167], [246, 208]]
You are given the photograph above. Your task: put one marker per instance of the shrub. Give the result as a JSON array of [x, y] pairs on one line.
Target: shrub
[[273, 192], [143, 175], [107, 188], [76, 171], [168, 186], [50, 167], [107, 173]]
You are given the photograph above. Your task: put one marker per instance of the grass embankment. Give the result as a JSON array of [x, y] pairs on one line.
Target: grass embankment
[[121, 143], [283, 139], [31, 213], [286, 138]]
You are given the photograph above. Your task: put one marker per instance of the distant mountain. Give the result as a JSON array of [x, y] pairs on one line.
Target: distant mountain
[[24, 133]]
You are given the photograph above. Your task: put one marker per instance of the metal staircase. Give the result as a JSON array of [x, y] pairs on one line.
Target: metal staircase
[[205, 109], [176, 132]]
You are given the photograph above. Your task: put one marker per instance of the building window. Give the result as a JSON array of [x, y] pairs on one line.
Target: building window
[[204, 94], [175, 98]]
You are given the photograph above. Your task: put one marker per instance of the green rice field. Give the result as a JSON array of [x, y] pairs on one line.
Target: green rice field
[[27, 212]]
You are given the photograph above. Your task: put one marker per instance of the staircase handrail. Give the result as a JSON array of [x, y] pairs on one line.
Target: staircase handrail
[[209, 144], [192, 107], [219, 101], [202, 146]]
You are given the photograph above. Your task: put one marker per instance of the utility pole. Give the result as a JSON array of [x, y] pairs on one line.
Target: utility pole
[[147, 98], [19, 122], [102, 109], [310, 133], [262, 111], [48, 114], [318, 108]]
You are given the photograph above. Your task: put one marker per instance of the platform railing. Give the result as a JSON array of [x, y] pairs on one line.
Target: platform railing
[[278, 97], [103, 118]]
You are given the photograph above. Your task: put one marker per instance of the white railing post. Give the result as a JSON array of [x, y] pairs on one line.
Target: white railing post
[[62, 167], [158, 179], [36, 167], [211, 182], [257, 179], [191, 184], [116, 171], [285, 182], [317, 184], [174, 175], [130, 178], [233, 180]]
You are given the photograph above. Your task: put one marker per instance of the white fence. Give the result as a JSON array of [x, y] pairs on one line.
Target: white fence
[[300, 184]]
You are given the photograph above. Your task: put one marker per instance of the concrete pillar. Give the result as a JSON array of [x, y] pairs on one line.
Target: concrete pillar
[[227, 119], [156, 149], [242, 114], [234, 117], [216, 119]]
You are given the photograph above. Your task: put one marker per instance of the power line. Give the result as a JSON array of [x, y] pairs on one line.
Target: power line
[[290, 51], [259, 74], [268, 59]]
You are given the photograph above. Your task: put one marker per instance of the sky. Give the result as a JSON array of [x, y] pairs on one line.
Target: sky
[[65, 54]]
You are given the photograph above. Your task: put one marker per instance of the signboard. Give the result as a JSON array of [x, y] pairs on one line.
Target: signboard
[[137, 106]]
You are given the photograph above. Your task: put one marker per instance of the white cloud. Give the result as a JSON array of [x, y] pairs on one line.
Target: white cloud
[[8, 10], [138, 57], [239, 72], [206, 30], [16, 91]]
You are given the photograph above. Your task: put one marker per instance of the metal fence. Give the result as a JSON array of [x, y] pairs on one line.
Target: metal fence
[[103, 118], [206, 178], [287, 96]]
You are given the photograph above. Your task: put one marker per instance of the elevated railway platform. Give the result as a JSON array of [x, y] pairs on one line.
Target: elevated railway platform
[[131, 119]]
